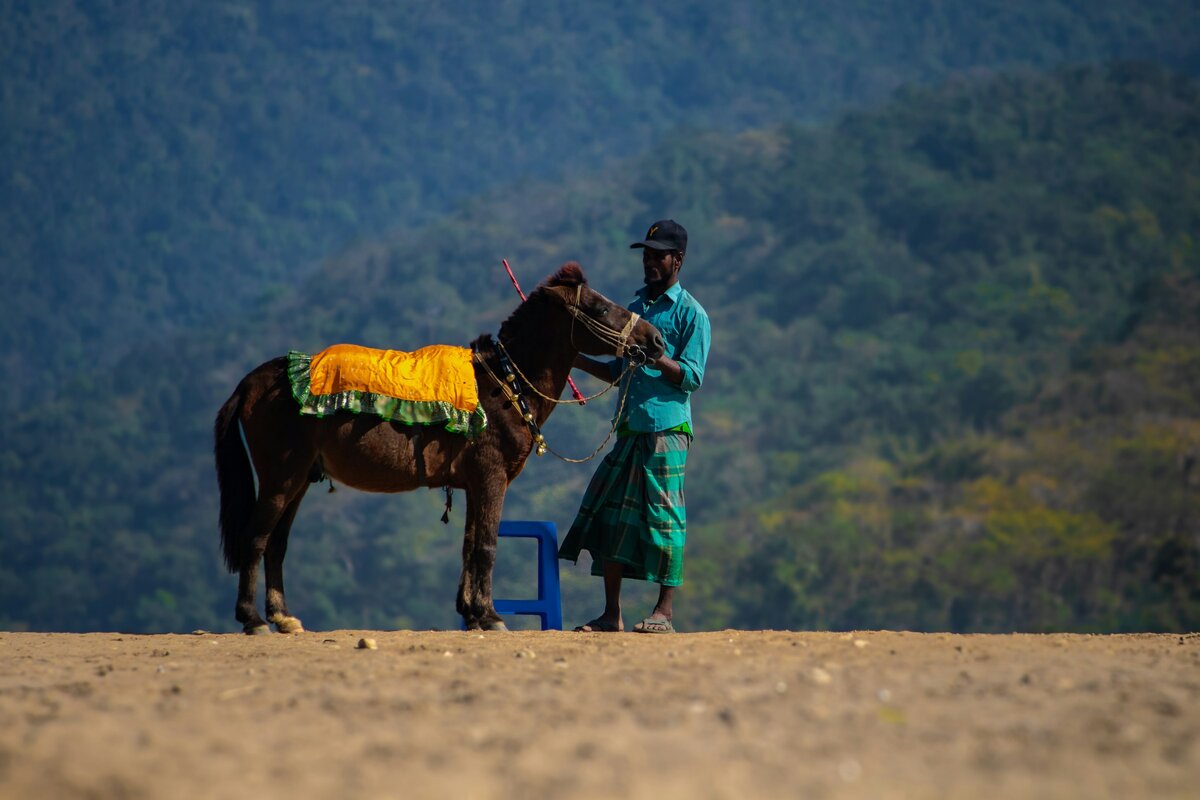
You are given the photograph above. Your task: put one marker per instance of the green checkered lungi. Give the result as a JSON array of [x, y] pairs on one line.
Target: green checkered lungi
[[633, 510]]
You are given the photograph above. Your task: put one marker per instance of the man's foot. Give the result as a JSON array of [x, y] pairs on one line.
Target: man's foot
[[600, 625], [654, 624]]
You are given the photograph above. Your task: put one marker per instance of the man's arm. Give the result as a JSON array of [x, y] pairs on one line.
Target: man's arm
[[686, 370], [672, 373], [601, 370]]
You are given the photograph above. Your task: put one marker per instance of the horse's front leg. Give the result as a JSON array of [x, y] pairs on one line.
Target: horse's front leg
[[464, 600], [485, 502]]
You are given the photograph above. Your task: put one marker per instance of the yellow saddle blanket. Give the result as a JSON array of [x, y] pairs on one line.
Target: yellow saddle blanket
[[433, 385], [439, 372]]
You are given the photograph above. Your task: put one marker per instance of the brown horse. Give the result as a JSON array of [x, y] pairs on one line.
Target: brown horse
[[561, 318]]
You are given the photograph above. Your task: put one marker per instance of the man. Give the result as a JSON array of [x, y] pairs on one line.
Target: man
[[632, 518]]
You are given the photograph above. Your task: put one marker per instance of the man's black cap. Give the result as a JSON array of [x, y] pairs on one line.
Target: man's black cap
[[666, 234]]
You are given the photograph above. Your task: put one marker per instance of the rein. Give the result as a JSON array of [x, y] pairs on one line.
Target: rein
[[509, 385], [634, 355]]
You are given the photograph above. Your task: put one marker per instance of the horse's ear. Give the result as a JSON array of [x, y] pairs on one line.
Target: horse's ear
[[569, 274]]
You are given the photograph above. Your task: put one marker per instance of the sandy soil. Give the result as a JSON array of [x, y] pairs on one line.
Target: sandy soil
[[528, 714]]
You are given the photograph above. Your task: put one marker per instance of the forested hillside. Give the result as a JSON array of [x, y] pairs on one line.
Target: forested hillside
[[953, 383], [163, 166]]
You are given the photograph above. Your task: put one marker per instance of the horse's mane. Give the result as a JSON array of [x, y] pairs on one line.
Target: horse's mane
[[569, 274]]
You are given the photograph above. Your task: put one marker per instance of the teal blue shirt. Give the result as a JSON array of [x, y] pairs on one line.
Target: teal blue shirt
[[654, 403]]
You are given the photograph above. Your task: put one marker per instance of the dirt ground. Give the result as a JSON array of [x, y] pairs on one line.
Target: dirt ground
[[733, 714]]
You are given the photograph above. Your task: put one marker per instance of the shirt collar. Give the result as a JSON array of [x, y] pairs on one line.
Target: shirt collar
[[671, 294]]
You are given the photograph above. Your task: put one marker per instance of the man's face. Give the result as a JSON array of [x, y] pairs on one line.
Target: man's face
[[659, 266]]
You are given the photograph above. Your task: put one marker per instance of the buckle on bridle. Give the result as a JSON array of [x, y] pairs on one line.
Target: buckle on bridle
[[633, 352], [636, 354]]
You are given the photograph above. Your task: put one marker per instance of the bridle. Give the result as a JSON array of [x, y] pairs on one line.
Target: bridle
[[634, 355]]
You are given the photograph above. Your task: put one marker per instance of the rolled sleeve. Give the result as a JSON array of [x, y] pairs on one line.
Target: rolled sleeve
[[693, 352]]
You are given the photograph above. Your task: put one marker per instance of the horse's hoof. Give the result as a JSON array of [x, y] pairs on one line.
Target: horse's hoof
[[494, 625], [258, 630], [287, 624]]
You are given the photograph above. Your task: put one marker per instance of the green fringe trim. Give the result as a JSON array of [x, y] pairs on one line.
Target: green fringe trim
[[407, 412]]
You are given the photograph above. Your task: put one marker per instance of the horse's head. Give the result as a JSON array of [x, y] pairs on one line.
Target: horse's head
[[598, 325]]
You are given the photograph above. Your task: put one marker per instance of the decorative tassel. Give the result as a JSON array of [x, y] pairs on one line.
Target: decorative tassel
[[449, 505], [331, 489]]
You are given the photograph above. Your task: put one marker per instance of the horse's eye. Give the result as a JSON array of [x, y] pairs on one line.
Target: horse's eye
[[599, 312]]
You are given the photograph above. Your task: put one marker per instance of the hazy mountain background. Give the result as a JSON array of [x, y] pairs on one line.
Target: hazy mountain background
[[947, 249]]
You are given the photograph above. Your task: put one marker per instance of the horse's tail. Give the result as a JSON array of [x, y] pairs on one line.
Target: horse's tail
[[235, 480]]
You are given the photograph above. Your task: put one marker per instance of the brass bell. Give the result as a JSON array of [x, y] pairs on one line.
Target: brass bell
[[528, 417], [539, 438], [541, 450], [510, 377]]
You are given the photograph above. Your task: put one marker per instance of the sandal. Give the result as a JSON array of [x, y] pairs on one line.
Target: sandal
[[649, 625], [597, 626]]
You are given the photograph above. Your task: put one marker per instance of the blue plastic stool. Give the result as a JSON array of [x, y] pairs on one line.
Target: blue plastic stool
[[548, 604]]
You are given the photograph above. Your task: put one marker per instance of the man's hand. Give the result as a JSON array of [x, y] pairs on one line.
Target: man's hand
[[671, 371]]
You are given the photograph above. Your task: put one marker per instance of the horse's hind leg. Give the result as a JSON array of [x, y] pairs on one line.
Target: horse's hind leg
[[277, 612], [268, 512]]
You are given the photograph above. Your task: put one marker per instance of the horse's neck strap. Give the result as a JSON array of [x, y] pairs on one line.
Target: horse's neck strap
[[512, 390]]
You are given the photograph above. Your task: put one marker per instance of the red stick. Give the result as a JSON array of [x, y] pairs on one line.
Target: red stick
[[517, 286]]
